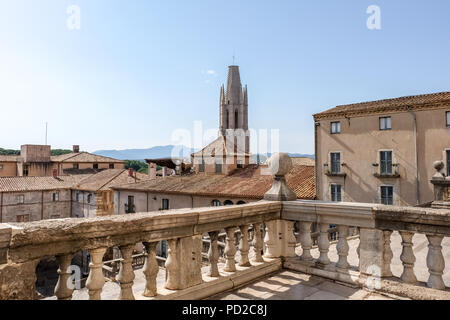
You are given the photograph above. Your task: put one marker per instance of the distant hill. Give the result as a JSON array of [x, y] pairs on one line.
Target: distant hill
[[142, 154], [263, 157], [166, 152]]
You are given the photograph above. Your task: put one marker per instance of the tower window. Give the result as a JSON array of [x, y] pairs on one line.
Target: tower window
[[201, 166], [236, 122]]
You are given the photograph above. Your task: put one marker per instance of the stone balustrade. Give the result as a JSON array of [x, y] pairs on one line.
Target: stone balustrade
[[273, 246], [376, 224], [27, 243]]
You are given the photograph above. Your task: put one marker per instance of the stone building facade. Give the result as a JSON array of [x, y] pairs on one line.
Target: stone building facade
[[83, 195], [382, 151], [36, 161]]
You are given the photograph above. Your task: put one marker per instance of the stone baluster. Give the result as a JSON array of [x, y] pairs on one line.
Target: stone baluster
[[323, 244], [150, 270], [435, 262], [172, 265], [407, 257], [387, 254], [230, 250], [96, 280], [126, 273], [213, 254], [244, 247], [63, 291], [257, 242], [305, 240], [342, 247]]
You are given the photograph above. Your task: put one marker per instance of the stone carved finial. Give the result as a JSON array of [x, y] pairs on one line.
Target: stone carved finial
[[279, 165], [438, 166]]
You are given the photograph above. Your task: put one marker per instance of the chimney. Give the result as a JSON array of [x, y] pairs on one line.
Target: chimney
[[76, 148], [152, 170], [130, 172], [55, 173]]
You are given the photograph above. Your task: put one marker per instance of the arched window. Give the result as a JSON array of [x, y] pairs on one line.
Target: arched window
[[240, 202], [227, 121], [236, 122], [228, 203], [216, 203]]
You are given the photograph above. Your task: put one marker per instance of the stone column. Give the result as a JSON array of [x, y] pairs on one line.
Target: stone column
[[373, 260], [126, 273], [257, 242], [435, 262], [230, 250], [213, 254], [183, 264], [150, 270], [407, 257], [96, 280], [244, 247], [62, 290]]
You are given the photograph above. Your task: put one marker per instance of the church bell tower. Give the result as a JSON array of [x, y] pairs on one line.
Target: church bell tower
[[234, 109]]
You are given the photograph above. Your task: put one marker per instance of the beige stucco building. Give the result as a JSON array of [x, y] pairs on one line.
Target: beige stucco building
[[382, 151]]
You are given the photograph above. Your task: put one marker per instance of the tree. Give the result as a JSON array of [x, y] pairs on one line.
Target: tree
[[137, 165]]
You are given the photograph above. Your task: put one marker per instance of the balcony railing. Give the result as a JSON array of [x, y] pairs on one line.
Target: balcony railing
[[272, 248]]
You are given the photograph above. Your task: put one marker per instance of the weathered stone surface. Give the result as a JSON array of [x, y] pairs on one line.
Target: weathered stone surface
[[183, 263], [279, 165], [5, 237], [56, 237], [17, 281]]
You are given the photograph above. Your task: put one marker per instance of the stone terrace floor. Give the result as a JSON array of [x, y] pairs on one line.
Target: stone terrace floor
[[290, 285]]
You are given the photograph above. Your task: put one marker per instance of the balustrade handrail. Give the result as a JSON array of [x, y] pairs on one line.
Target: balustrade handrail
[[55, 237]]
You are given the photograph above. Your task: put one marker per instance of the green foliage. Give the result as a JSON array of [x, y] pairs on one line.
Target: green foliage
[[137, 165], [8, 152], [54, 152], [58, 152]]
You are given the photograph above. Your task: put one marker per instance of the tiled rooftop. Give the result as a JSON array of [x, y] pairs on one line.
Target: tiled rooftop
[[13, 184], [108, 178], [84, 157], [386, 105], [244, 183]]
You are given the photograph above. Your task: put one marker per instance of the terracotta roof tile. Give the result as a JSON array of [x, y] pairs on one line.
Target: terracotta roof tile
[[387, 105], [8, 158], [20, 184], [84, 157], [242, 183], [106, 179]]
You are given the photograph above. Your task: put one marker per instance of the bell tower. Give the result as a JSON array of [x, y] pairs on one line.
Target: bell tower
[[234, 109]]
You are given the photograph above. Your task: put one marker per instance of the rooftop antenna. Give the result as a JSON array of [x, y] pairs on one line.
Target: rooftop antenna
[[233, 57], [46, 130]]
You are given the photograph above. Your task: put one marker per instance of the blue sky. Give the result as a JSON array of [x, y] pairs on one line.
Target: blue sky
[[137, 70]]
